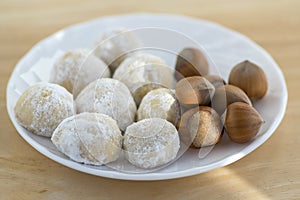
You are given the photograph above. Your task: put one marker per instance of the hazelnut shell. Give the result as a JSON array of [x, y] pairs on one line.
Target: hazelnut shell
[[226, 95], [194, 90], [242, 122], [190, 62], [250, 78], [200, 127], [215, 80]]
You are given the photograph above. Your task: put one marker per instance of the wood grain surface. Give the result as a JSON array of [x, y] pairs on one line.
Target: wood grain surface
[[270, 172]]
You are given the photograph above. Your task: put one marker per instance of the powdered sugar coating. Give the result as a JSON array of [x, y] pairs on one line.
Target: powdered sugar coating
[[151, 143], [115, 45], [160, 103], [42, 107], [89, 138], [110, 97], [144, 68], [76, 69]]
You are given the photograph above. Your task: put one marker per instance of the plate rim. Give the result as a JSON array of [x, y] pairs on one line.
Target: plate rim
[[153, 175]]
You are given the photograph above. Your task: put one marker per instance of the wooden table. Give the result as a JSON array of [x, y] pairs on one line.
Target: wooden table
[[270, 172]]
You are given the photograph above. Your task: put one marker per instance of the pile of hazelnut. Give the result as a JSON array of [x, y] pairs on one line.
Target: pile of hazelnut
[[211, 106]]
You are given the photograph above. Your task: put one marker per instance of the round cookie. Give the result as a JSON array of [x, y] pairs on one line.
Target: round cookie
[[115, 45], [42, 107], [150, 143], [76, 69], [142, 68], [89, 138], [159, 103], [110, 97]]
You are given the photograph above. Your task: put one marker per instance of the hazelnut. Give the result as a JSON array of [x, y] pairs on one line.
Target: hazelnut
[[194, 90], [250, 78], [200, 126], [190, 62], [226, 95], [215, 80], [242, 122]]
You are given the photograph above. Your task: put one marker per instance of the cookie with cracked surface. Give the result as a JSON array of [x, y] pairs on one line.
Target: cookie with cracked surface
[[110, 97], [76, 69], [151, 143], [142, 68], [42, 107], [89, 138], [160, 103], [115, 45]]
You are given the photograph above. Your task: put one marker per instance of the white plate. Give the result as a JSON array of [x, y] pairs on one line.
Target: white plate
[[224, 46]]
